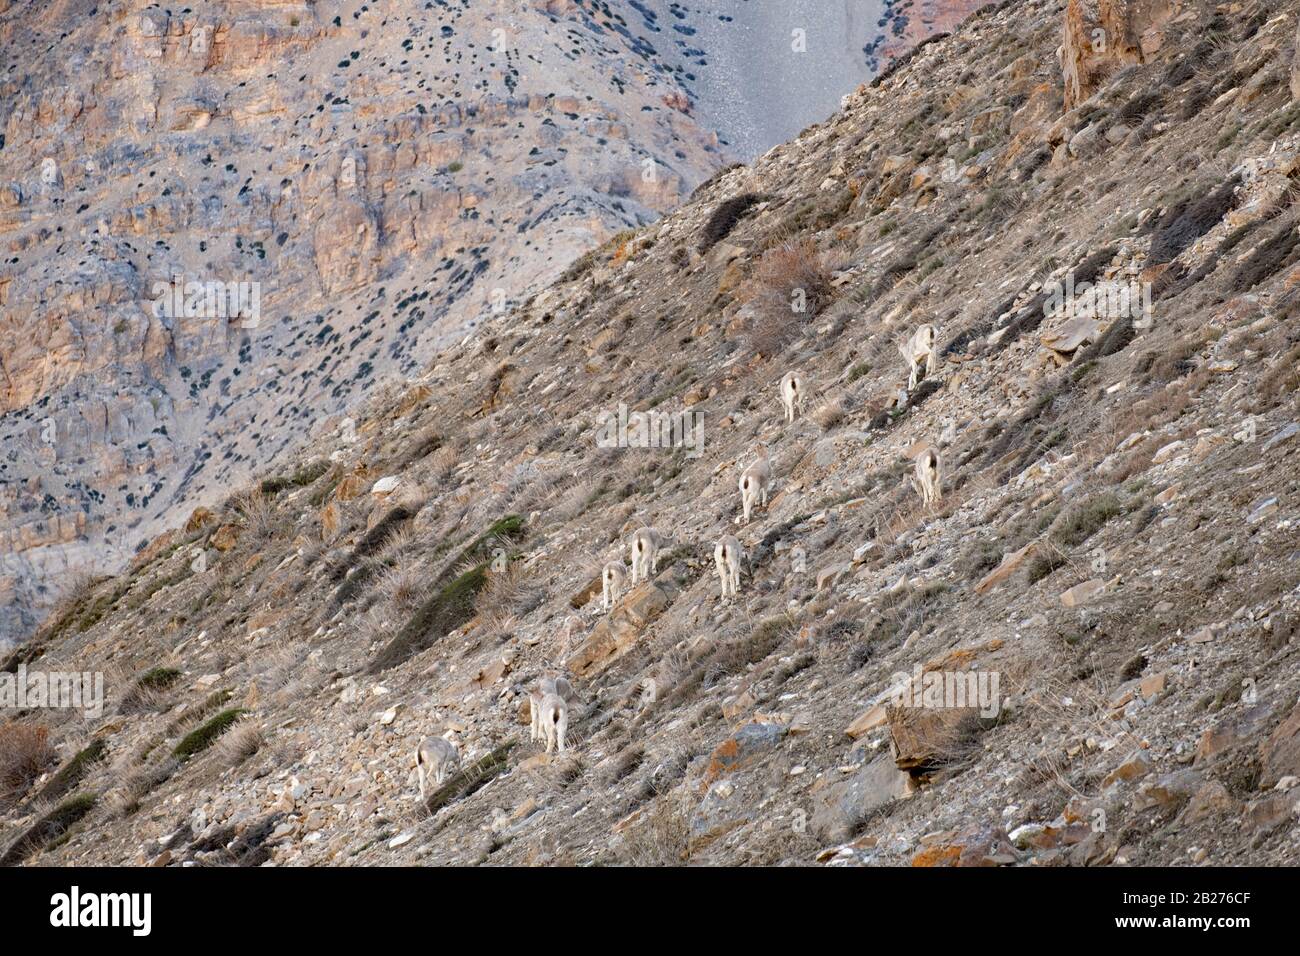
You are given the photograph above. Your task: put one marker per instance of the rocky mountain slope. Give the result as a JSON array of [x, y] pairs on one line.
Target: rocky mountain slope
[[1114, 550], [386, 174]]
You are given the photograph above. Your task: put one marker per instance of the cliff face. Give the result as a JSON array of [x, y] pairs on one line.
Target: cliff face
[[905, 23], [439, 158], [1108, 574], [368, 180]]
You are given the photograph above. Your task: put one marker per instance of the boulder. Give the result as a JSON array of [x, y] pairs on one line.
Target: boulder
[[985, 845], [926, 735], [1011, 563], [743, 748], [225, 537], [1102, 37], [842, 807], [615, 635], [1082, 593], [1279, 755]]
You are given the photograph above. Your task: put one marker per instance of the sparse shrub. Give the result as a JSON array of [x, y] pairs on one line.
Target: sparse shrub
[[1188, 221], [200, 739], [662, 837], [1080, 522], [301, 478], [791, 285], [377, 537], [724, 218], [242, 741], [25, 752], [257, 513], [832, 413], [138, 782], [508, 592], [441, 463], [1044, 563], [403, 586], [49, 828], [448, 609], [73, 771], [1274, 254], [792, 279]]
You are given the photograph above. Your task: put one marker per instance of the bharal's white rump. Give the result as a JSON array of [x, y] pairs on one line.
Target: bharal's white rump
[[754, 483], [546, 687], [613, 579], [792, 394], [646, 544], [554, 721], [727, 555], [928, 480]]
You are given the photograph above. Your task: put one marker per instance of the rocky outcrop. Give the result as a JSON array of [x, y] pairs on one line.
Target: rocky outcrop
[[1103, 36]]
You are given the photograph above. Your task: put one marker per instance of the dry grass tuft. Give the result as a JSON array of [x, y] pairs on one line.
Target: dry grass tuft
[[25, 753], [790, 286], [239, 743]]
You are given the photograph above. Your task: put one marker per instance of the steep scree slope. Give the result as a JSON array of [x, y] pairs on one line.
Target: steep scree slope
[[386, 172], [1115, 539]]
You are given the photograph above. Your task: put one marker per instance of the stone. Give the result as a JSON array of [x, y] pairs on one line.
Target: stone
[[1010, 564], [842, 807], [1263, 510], [1083, 593], [738, 705], [1132, 769], [1284, 434], [1072, 335], [1232, 731], [1165, 452], [868, 721], [385, 485], [617, 633], [1279, 754], [1271, 811], [1168, 792], [830, 576], [747, 745], [1152, 685], [924, 735], [225, 537], [716, 815], [1211, 800], [979, 845], [583, 596], [1129, 33]]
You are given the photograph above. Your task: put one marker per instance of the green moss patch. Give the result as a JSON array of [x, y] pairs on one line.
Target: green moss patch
[[199, 740], [49, 828], [71, 773]]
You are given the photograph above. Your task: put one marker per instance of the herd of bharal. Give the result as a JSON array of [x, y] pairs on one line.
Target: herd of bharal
[[437, 757]]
